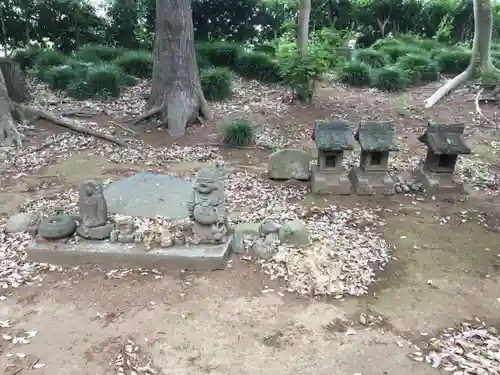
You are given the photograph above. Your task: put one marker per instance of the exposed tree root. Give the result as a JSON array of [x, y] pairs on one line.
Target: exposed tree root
[[153, 111], [449, 86], [30, 111], [481, 114]]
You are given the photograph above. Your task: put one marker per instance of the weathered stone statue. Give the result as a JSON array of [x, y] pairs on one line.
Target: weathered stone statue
[[207, 207], [93, 212]]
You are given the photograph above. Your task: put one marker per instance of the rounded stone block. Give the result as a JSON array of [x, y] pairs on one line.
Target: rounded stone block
[[289, 164]]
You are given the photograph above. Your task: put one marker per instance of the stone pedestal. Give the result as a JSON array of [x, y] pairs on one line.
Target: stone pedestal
[[371, 182], [433, 181], [324, 183]]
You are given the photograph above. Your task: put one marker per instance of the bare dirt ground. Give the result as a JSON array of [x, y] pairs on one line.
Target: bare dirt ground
[[445, 266]]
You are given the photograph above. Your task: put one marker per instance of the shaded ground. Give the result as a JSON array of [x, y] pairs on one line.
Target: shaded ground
[[445, 270]]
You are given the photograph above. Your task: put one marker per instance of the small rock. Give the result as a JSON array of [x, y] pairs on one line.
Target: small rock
[[415, 187], [247, 229], [113, 236], [289, 164], [294, 232], [20, 222], [237, 244], [406, 188], [166, 239], [398, 189], [264, 249], [268, 226]]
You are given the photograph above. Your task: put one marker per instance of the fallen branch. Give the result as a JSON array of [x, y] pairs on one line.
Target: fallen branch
[[79, 114], [124, 128], [35, 112], [449, 86]]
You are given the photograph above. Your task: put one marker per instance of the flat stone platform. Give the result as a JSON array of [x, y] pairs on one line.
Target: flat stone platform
[[116, 255]]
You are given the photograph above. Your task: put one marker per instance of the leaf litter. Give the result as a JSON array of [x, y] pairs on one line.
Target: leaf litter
[[346, 244]]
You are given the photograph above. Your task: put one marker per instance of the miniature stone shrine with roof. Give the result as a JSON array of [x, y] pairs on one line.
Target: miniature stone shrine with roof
[[445, 142], [377, 139], [332, 139]]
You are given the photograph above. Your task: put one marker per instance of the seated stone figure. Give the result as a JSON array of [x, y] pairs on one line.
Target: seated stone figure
[[93, 212], [207, 207]]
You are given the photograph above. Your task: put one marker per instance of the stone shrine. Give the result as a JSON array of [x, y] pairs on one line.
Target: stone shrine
[[377, 139], [444, 143], [332, 139], [93, 212]]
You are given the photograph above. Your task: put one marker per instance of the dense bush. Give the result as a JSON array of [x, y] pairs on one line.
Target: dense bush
[[390, 78], [372, 57], [220, 53], [355, 73], [96, 53], [259, 66], [62, 76], [100, 80], [217, 83], [238, 132], [26, 57], [203, 62], [46, 60], [397, 51], [419, 68], [453, 61], [136, 63]]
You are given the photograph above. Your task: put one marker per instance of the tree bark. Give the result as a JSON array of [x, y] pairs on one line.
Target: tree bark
[[8, 131], [303, 27], [480, 62], [176, 94]]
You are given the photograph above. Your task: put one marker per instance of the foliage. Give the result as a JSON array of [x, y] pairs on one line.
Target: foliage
[[390, 78], [26, 57], [355, 73], [217, 83], [419, 68], [238, 132], [98, 53], [220, 53], [47, 59], [453, 61], [136, 63], [259, 66], [102, 79], [61, 76], [395, 52], [372, 57]]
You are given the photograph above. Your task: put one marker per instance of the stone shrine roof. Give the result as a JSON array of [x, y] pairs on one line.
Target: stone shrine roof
[[377, 136], [445, 139], [333, 136]]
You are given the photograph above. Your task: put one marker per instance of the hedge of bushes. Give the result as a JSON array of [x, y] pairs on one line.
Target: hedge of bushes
[[389, 64]]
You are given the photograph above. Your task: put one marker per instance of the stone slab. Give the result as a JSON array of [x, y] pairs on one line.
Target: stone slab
[[115, 255], [149, 194], [371, 183], [329, 183]]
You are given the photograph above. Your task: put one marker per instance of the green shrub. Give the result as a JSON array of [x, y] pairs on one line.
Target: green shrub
[[136, 63], [26, 57], [79, 90], [390, 78], [387, 43], [419, 68], [60, 77], [238, 132], [355, 73], [96, 53], [46, 60], [259, 66], [203, 62], [372, 57], [220, 53], [105, 80], [217, 83], [453, 61], [396, 51]]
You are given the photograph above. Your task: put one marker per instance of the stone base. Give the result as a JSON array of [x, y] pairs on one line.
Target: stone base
[[114, 255], [330, 183], [96, 233], [371, 183], [433, 182]]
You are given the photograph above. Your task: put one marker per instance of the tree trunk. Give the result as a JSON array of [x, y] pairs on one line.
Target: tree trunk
[[8, 132], [176, 93], [480, 62], [303, 27]]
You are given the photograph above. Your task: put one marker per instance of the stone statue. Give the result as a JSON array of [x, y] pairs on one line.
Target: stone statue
[[93, 212], [207, 207]]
